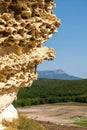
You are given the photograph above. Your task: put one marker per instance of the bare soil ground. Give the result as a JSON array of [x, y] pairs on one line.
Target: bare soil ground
[[60, 115], [51, 126]]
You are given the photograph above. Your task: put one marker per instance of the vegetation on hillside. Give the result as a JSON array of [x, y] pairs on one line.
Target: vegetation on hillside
[[52, 91]]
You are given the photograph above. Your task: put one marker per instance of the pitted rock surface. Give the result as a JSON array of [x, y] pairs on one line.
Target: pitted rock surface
[[24, 26]]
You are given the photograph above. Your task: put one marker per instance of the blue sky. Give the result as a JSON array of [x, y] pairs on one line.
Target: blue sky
[[70, 42]]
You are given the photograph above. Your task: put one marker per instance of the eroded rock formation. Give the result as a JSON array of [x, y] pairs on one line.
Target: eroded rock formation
[[24, 26]]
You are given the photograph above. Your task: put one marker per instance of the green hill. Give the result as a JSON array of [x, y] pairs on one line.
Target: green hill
[[53, 91]]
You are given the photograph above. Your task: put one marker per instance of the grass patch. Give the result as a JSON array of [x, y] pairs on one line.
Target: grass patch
[[80, 121], [72, 104], [23, 123]]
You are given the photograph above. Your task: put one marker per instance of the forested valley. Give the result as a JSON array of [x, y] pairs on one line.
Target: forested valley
[[48, 91]]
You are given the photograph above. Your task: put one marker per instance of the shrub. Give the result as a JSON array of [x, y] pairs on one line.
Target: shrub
[[23, 123]]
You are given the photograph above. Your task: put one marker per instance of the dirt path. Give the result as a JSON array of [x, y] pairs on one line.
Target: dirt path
[[58, 114]]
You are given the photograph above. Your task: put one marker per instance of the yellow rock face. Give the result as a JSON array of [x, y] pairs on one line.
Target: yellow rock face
[[24, 26]]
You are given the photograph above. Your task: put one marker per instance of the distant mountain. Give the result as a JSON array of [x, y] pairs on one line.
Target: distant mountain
[[56, 74]]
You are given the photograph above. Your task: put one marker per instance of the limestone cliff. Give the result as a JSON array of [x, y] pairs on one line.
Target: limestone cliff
[[24, 26]]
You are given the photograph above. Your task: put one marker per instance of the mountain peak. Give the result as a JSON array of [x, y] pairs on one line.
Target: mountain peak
[[56, 74], [60, 71]]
